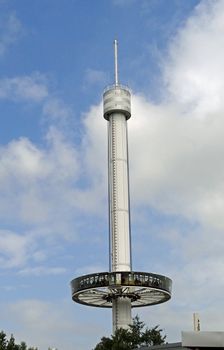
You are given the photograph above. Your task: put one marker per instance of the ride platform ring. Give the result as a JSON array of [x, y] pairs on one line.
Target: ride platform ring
[[141, 288]]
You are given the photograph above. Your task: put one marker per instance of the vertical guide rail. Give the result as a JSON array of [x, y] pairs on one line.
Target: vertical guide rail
[[109, 199]]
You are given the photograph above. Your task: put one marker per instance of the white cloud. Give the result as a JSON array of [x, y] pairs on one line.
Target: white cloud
[[42, 271], [173, 319], [49, 324], [194, 71], [24, 88], [175, 162], [33, 179], [26, 157], [40, 318], [169, 157], [14, 249], [34, 89], [94, 143], [84, 270], [94, 76], [40, 185], [10, 32], [177, 169]]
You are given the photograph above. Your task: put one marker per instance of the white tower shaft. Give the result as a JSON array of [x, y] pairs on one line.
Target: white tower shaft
[[119, 193], [119, 211]]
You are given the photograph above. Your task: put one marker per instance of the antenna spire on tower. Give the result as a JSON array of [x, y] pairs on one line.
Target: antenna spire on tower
[[115, 63]]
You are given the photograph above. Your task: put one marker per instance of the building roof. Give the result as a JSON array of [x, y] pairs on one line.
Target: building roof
[[209, 340], [193, 340], [173, 346]]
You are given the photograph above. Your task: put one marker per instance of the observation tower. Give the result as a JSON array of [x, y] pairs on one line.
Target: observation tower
[[121, 288]]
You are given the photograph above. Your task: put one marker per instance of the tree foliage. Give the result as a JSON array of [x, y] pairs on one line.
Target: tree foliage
[[134, 337], [10, 344]]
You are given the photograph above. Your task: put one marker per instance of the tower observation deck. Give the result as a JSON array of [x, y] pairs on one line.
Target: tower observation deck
[[121, 288]]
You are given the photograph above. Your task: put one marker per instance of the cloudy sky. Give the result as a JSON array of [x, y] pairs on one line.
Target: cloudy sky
[[56, 57]]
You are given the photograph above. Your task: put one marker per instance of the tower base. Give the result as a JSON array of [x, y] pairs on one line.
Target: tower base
[[121, 313]]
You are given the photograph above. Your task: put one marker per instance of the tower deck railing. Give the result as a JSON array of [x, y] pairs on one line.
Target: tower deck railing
[[114, 86]]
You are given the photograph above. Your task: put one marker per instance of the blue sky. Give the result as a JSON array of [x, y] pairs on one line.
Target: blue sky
[[55, 60]]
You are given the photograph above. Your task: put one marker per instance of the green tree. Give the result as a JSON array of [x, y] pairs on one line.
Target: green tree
[[121, 340], [23, 346], [10, 344], [153, 336], [3, 341], [135, 336]]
